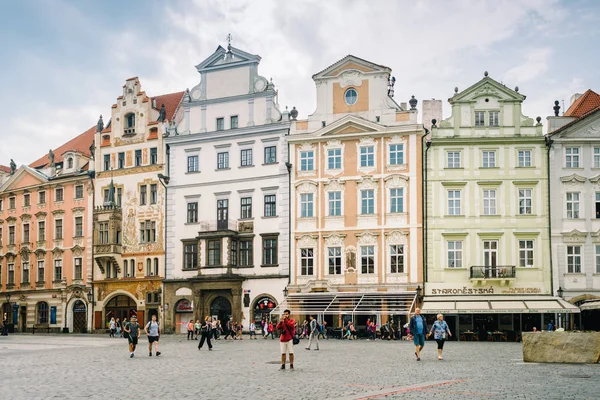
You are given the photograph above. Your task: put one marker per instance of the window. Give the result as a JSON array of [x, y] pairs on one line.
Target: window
[[42, 312], [42, 197], [78, 226], [70, 163], [454, 202], [40, 271], [153, 193], [107, 162], [220, 124], [479, 118], [246, 155], [103, 232], [233, 121], [150, 231], [26, 233], [148, 267], [397, 259], [307, 160], [367, 201], [132, 268], [119, 196], [597, 204], [12, 203], [334, 159], [192, 212], [223, 160], [130, 122], [25, 277], [143, 195], [524, 157], [597, 259], [396, 154], [246, 258], [233, 252], [351, 97], [335, 203], [153, 156], [453, 159], [26, 200], [367, 156], [306, 205], [596, 157], [190, 256], [490, 253], [59, 194], [271, 155], [41, 230], [192, 164], [525, 253], [572, 157], [525, 201], [334, 258], [489, 202], [307, 261], [494, 118], [156, 264], [367, 259], [572, 205], [11, 274], [78, 263], [270, 206], [397, 200], [246, 207], [58, 270], [574, 259], [121, 160], [214, 252], [138, 158], [79, 192], [1, 204], [455, 248], [11, 235], [488, 159], [1, 244], [58, 229], [270, 251]]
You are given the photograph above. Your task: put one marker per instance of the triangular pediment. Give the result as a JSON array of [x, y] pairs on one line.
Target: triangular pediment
[[221, 58], [351, 63], [486, 87], [24, 177], [587, 127], [349, 125]]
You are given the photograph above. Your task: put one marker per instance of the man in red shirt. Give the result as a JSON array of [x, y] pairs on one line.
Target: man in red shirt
[[287, 327]]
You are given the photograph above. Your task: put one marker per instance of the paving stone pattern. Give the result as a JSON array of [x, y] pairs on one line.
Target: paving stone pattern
[[97, 367]]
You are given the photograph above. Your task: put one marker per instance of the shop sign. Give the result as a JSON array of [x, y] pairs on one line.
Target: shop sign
[[463, 290], [183, 306]]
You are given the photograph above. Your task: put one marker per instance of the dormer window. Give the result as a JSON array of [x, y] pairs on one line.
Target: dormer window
[[70, 162], [351, 96], [129, 124]]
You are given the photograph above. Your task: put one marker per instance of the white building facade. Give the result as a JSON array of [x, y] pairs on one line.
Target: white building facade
[[228, 196]]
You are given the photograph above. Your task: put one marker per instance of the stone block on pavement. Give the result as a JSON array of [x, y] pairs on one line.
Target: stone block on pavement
[[561, 347]]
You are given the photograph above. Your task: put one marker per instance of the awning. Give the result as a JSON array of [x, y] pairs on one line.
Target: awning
[[590, 305], [337, 303], [496, 305]]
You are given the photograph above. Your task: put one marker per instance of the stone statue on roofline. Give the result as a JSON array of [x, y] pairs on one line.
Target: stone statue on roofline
[[13, 166], [162, 114], [51, 157], [93, 149], [100, 124]]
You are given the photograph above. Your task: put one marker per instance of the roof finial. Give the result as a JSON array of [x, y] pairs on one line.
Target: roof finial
[[556, 108], [229, 39], [485, 73]]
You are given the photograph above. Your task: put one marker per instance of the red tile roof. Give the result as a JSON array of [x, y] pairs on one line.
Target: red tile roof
[[171, 102], [81, 144], [584, 104], [4, 168]]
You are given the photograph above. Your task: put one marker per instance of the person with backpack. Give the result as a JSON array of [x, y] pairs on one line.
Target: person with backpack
[[152, 330], [314, 332], [230, 329], [206, 332], [133, 333]]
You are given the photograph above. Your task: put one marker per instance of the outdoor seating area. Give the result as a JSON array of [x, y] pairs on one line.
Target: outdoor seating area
[[489, 336]]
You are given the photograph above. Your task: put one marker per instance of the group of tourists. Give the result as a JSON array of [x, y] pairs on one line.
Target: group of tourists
[[132, 331], [195, 329], [419, 331]]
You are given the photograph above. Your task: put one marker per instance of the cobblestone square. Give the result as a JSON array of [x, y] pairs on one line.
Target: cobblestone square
[[94, 367]]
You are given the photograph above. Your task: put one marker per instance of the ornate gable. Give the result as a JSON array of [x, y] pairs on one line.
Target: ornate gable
[[224, 58], [351, 63], [486, 87], [349, 125]]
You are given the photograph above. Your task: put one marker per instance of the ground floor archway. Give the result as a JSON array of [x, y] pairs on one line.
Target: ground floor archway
[[79, 317], [121, 307], [262, 307], [220, 308]]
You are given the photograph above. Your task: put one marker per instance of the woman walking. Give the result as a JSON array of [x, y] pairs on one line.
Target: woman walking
[[112, 325], [118, 324], [206, 332], [441, 332], [190, 330]]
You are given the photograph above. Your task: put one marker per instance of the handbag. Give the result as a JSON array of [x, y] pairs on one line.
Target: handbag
[[295, 338]]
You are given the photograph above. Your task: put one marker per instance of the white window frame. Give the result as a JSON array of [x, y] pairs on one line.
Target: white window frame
[[334, 256], [596, 157], [307, 205], [525, 201], [488, 159], [479, 118], [369, 153], [576, 254], [526, 253], [489, 197], [524, 158], [398, 152], [307, 160], [336, 202], [572, 157], [370, 202], [454, 253], [367, 252], [397, 253], [597, 248], [453, 159], [454, 206], [494, 118], [397, 200], [336, 158], [307, 255], [573, 206]]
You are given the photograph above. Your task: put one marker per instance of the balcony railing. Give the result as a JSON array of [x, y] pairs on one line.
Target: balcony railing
[[493, 272], [108, 249]]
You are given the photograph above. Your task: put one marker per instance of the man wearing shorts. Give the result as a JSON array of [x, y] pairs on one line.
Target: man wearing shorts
[[153, 333], [418, 327], [287, 327], [133, 331]]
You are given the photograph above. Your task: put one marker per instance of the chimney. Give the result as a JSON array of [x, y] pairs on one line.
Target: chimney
[[432, 109]]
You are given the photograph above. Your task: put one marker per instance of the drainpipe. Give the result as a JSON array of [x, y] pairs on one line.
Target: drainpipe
[[92, 176], [288, 165], [424, 204], [549, 142], [164, 180]]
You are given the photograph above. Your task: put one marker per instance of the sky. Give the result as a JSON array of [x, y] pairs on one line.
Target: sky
[[65, 61]]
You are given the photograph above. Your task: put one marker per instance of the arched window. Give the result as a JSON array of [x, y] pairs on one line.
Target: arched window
[[108, 269], [132, 267], [156, 266], [42, 312], [126, 268], [148, 267], [130, 121], [70, 162]]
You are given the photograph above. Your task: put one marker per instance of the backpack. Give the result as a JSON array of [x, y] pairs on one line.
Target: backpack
[[125, 333]]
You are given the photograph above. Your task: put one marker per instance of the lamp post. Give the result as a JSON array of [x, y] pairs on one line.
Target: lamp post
[[164, 181], [560, 292], [8, 314], [285, 292], [419, 290]]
